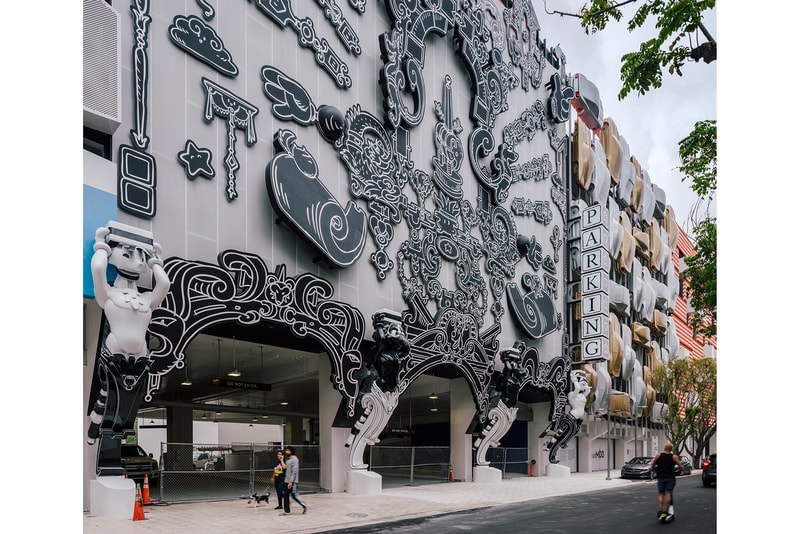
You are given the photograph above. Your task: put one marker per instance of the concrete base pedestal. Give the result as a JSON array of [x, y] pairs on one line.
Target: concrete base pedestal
[[112, 497], [363, 482], [484, 473], [557, 471]]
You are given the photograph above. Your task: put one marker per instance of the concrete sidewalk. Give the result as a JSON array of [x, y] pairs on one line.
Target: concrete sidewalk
[[331, 511]]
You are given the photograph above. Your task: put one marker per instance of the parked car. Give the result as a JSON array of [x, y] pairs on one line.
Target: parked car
[[137, 463], [638, 467], [687, 466], [710, 470], [204, 461]]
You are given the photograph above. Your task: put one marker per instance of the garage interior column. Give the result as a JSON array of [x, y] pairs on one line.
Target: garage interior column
[[334, 456], [462, 410]]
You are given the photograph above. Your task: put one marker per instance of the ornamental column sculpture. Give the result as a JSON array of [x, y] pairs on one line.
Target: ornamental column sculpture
[[378, 387], [123, 361]]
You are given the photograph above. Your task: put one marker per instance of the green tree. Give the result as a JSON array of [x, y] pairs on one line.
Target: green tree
[[675, 21], [693, 383], [698, 153], [702, 275]]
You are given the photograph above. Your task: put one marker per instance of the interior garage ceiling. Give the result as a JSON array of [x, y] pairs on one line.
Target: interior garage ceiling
[[290, 370], [290, 366]]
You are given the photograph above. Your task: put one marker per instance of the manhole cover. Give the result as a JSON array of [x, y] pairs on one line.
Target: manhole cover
[[357, 514]]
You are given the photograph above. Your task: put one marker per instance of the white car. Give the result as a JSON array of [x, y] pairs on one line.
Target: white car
[[203, 461]]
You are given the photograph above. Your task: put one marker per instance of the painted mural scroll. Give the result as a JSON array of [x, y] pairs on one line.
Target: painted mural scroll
[[561, 95], [281, 12], [238, 114], [476, 239], [534, 310], [369, 153], [208, 9], [347, 35], [196, 160], [242, 289], [123, 361], [300, 197], [136, 169], [358, 5], [291, 102], [201, 41]]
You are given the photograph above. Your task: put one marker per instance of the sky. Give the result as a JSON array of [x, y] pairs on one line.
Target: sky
[[652, 124]]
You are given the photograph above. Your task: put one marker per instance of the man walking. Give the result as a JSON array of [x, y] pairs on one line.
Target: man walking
[[292, 477], [666, 465]]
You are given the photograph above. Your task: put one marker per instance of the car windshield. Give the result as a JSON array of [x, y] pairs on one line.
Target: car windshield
[[641, 460], [132, 450]]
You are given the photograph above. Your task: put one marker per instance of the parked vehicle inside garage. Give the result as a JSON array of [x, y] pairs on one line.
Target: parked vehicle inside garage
[[137, 463]]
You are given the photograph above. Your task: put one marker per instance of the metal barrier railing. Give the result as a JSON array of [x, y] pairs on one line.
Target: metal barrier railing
[[196, 472], [424, 465], [511, 461], [410, 465], [203, 472]]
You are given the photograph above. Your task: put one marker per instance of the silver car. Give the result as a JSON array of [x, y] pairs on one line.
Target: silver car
[[638, 467]]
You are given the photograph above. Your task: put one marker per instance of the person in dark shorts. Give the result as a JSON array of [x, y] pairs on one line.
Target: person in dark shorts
[[666, 465]]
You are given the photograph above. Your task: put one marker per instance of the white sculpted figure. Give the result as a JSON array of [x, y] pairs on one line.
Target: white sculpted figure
[[578, 394], [124, 358]]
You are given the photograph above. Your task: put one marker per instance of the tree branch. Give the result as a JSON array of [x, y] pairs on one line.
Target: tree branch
[[588, 15]]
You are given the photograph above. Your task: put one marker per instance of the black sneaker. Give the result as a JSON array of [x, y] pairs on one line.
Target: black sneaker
[[305, 509], [278, 507]]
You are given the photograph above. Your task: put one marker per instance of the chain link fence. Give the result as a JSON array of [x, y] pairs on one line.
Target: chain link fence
[[410, 465], [511, 461], [196, 472]]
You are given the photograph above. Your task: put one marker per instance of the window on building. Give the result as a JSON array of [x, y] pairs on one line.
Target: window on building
[[97, 142]]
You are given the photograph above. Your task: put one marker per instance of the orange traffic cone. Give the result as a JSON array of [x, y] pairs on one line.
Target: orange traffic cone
[[452, 476], [138, 510], [146, 491]]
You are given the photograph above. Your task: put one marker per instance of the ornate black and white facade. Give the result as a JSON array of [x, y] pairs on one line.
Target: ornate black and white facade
[[420, 163]]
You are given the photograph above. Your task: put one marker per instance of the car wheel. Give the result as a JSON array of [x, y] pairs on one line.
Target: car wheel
[[706, 483]]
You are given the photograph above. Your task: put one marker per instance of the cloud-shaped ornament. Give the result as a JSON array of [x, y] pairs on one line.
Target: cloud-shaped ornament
[[200, 40]]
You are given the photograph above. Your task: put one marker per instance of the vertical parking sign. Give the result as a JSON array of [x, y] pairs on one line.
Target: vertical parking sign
[[595, 266]]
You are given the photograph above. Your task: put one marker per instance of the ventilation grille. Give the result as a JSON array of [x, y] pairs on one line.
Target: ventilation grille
[[101, 66]]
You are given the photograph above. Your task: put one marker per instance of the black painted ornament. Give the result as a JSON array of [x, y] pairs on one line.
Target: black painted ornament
[[330, 123]]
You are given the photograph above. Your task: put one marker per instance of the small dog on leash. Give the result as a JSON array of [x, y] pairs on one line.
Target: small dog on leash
[[258, 499]]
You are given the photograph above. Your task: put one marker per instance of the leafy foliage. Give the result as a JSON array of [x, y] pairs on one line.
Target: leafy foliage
[[702, 273], [698, 153], [693, 382], [643, 70]]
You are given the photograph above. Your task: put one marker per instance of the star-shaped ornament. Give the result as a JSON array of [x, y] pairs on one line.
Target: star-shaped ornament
[[196, 160]]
